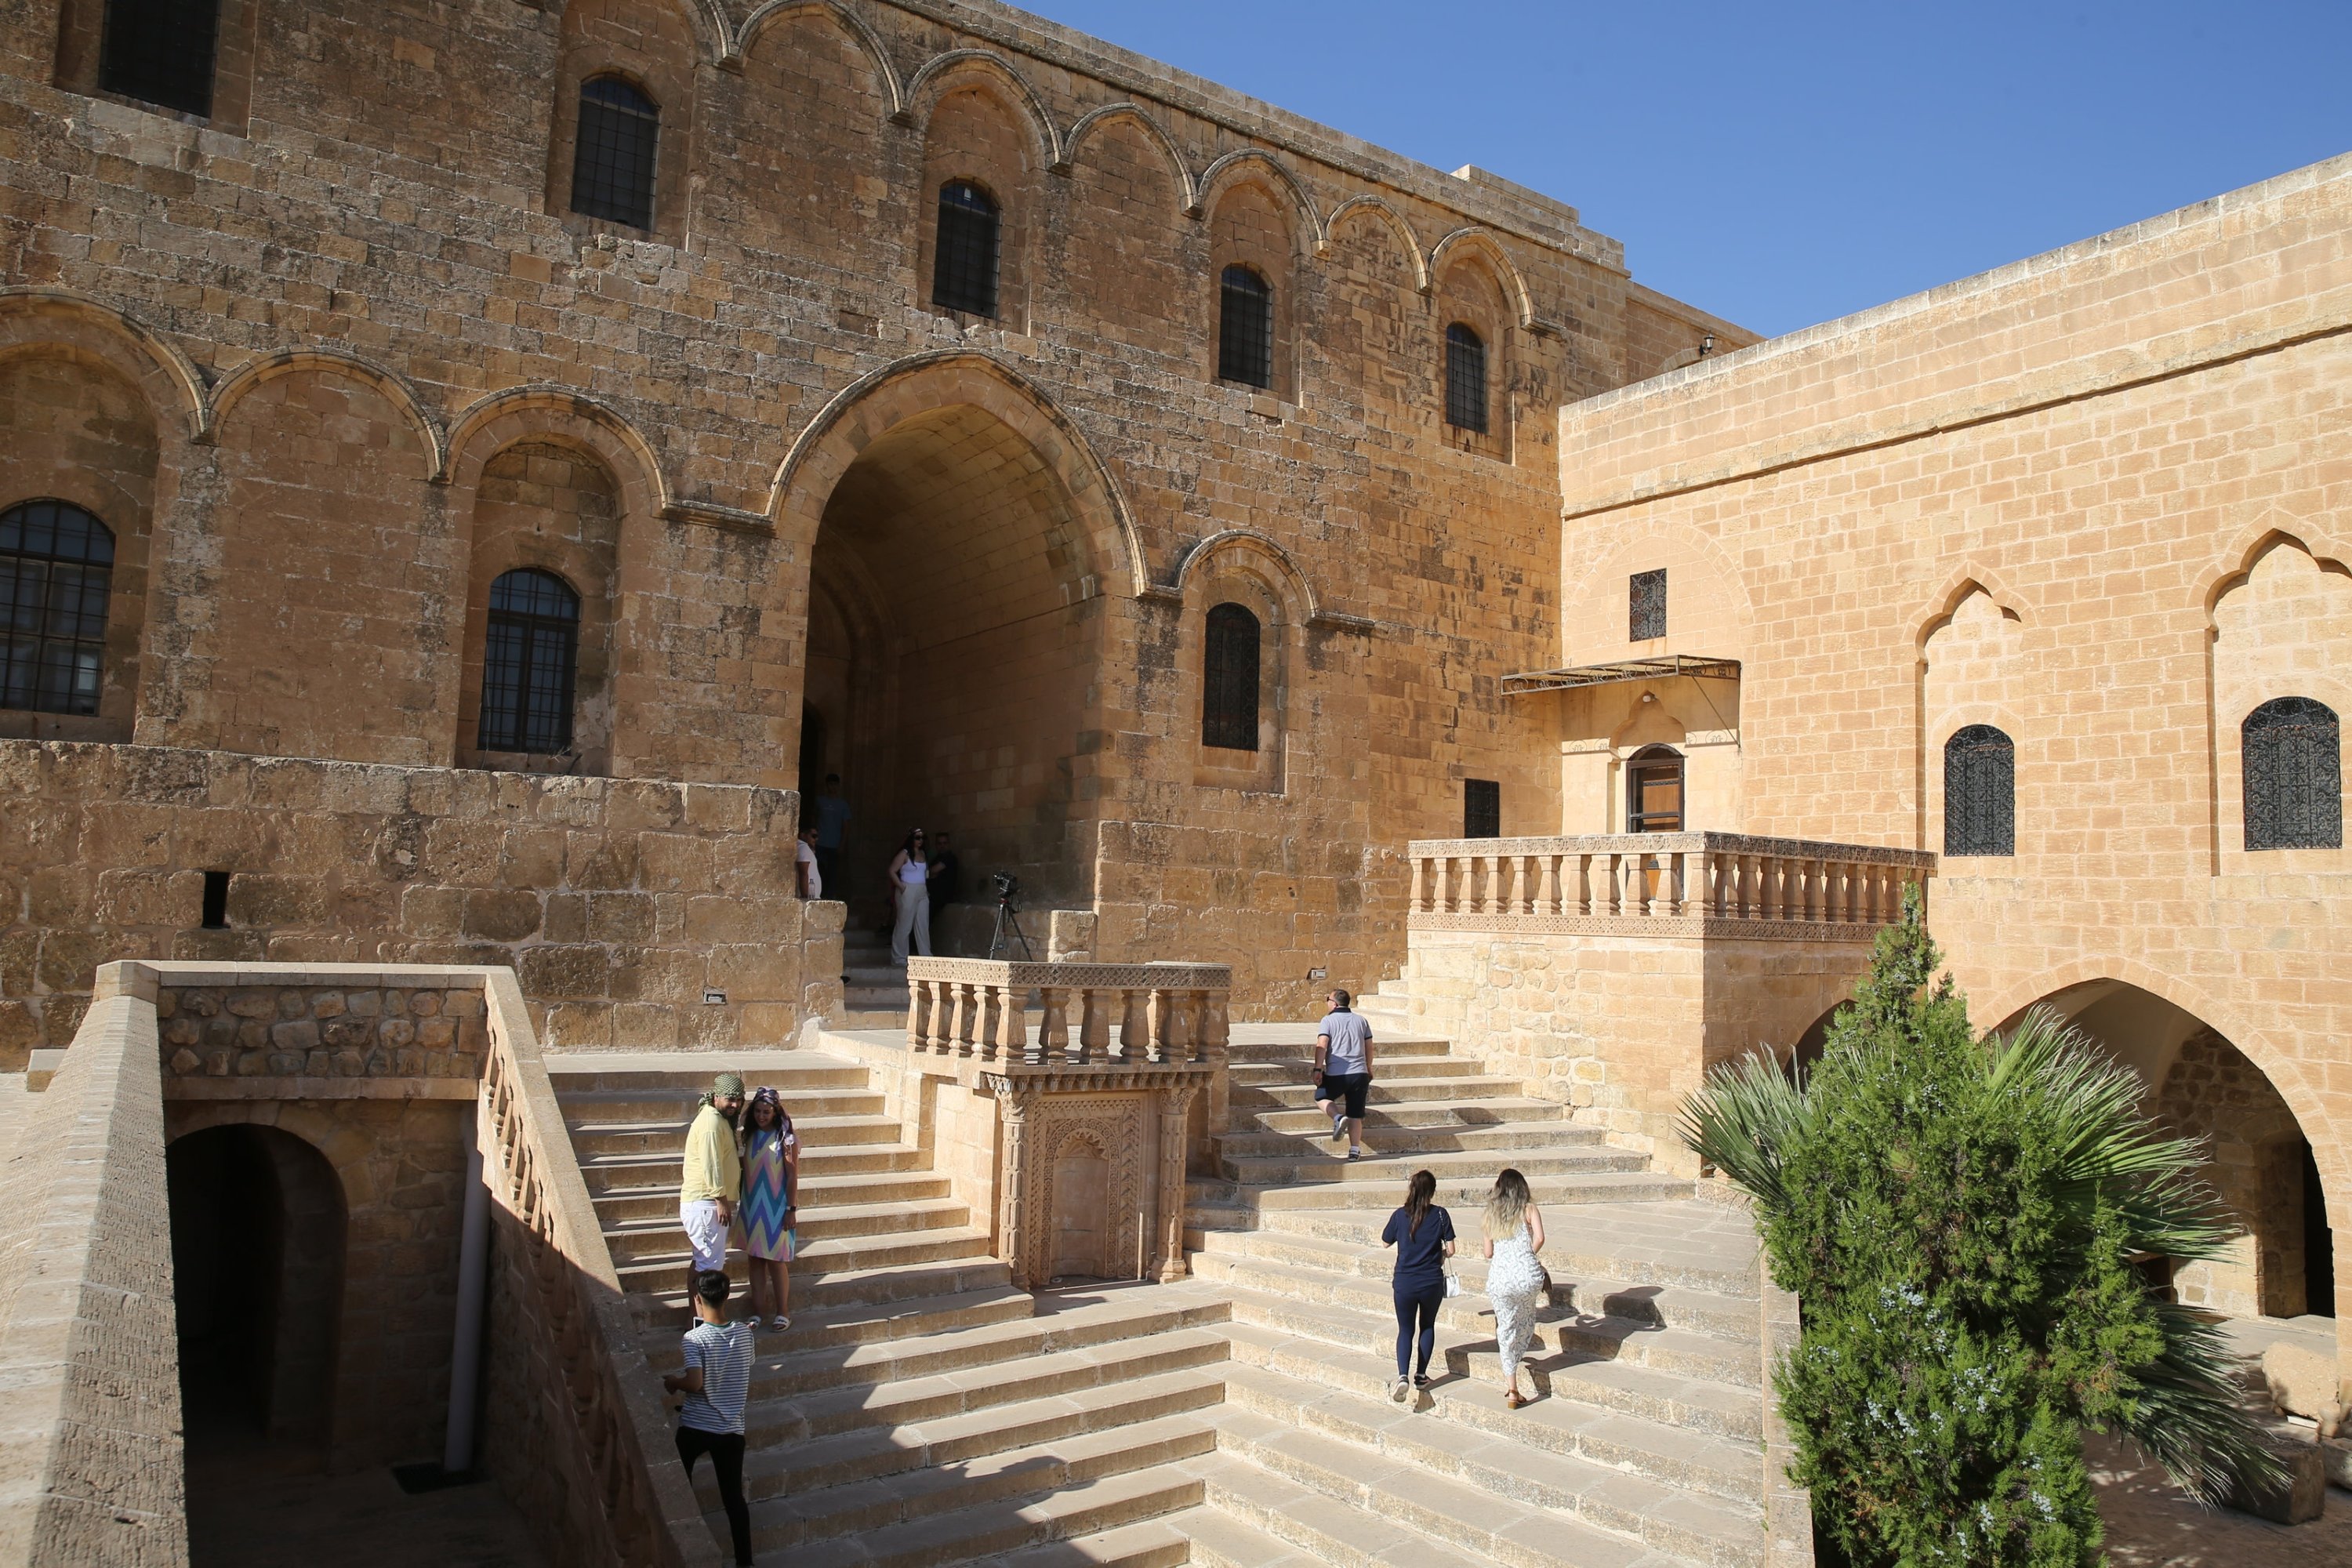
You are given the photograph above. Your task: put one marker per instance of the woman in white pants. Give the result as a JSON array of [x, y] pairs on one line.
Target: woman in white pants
[[909, 872], [1515, 1279]]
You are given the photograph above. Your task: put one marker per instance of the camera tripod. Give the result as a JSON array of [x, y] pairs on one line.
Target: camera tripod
[[1008, 923]]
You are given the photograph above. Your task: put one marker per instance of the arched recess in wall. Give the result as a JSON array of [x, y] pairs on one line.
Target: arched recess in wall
[[655, 49], [2277, 629], [1975, 673], [808, 128], [985, 144], [2264, 1159], [77, 401], [983, 536], [326, 639], [847, 23], [259, 1218], [1369, 342], [1118, 256], [1252, 573], [542, 478], [1471, 325], [1253, 242], [1098, 121]]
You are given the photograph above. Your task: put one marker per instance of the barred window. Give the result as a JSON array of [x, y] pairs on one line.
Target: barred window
[[161, 52], [56, 569], [1979, 793], [2294, 775], [612, 157], [1646, 606], [1466, 379], [528, 659], [964, 262], [1229, 679], [1482, 808], [1246, 329], [1654, 791]]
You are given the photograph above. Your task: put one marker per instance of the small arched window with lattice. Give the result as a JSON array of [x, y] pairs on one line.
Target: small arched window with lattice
[[1229, 679], [613, 158], [965, 252], [528, 657], [2294, 775], [1979, 793], [1466, 379], [1245, 329], [57, 571]]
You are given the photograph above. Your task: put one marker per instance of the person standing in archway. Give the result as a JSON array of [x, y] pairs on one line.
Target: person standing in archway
[[910, 873], [832, 813]]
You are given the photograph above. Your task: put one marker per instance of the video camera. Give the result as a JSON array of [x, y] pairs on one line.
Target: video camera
[[1007, 885]]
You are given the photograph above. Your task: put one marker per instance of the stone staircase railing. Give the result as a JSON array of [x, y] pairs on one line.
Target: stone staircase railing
[[1168, 1013], [1634, 877], [614, 1506]]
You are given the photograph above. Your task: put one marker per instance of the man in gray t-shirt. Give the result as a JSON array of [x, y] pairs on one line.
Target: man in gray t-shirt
[[1343, 1072]]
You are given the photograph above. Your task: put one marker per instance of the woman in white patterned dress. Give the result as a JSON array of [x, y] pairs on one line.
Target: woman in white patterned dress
[[1515, 1279]]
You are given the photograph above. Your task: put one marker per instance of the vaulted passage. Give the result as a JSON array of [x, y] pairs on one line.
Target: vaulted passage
[[952, 643], [2260, 1162]]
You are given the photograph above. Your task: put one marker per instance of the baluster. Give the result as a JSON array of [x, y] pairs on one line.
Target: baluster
[[1438, 900], [914, 1014], [1547, 885], [959, 1010], [1817, 905], [1690, 870], [1156, 1018], [1520, 886], [1093, 1029], [1011, 1041], [1215, 1033], [1135, 1025], [1492, 903], [1053, 1023], [1419, 870]]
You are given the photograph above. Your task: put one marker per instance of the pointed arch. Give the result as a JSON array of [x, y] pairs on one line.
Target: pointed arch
[[1514, 283], [588, 422], [1187, 192], [921, 383], [988, 63], [395, 387], [1276, 562], [169, 378], [709, 20], [1967, 578], [848, 21], [1397, 225], [2236, 559], [1258, 157]]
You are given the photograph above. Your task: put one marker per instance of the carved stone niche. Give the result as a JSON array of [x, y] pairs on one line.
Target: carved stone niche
[[1092, 1181]]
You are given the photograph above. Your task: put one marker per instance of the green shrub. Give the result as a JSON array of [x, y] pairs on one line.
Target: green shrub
[[1959, 1217]]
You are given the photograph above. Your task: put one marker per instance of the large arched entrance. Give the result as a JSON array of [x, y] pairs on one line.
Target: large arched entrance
[[2259, 1157], [954, 632], [257, 1223]]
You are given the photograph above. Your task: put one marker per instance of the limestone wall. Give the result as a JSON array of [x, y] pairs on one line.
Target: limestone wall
[[618, 902], [89, 1386]]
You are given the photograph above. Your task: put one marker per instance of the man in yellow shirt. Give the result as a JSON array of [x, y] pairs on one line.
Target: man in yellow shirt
[[713, 1179]]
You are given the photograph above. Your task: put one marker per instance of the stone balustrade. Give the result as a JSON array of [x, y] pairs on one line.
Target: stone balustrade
[[1125, 1014], [1672, 883]]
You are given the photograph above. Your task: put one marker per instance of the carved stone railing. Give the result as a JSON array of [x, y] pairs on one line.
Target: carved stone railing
[[1117, 1055], [619, 1499], [1663, 883], [1161, 1012]]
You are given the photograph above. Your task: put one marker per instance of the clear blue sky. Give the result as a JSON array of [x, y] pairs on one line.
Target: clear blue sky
[[1780, 161]]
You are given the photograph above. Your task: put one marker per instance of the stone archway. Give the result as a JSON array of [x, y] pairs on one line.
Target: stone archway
[[258, 1233], [2259, 1159], [954, 634]]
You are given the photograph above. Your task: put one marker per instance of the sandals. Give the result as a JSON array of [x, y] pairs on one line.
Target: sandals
[[1513, 1399]]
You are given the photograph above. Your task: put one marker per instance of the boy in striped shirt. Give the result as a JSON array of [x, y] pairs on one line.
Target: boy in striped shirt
[[717, 1378]]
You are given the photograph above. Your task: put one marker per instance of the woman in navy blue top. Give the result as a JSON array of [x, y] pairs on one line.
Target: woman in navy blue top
[[1423, 1235]]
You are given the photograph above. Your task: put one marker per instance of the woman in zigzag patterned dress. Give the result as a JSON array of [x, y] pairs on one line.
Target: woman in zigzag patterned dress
[[772, 1158]]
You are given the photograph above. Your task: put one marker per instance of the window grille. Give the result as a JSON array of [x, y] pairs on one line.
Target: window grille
[[1229, 679], [1654, 791], [1246, 329], [528, 660], [1646, 613], [2294, 775], [612, 157], [1466, 379], [161, 52], [56, 570], [1482, 808], [964, 262], [1979, 793]]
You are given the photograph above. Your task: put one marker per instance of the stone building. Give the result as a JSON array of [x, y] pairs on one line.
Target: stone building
[[481, 467]]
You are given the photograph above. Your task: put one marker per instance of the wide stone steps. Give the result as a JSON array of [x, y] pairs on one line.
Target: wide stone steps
[[1072, 1486], [1154, 1543], [658, 1236], [616, 1172], [1455, 1090], [601, 1140], [650, 1245], [1469, 1169], [1507, 1115], [586, 1076], [674, 1107], [1392, 1066], [855, 1190], [971, 1270], [1298, 1053]]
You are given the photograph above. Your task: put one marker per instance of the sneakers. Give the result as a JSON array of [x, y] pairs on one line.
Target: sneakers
[[1402, 1389], [1355, 1154], [1338, 1128]]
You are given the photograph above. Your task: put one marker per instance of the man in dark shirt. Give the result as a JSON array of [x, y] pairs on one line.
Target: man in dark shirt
[[946, 880]]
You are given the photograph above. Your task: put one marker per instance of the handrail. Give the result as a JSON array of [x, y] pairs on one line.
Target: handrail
[[1650, 877], [1168, 1015]]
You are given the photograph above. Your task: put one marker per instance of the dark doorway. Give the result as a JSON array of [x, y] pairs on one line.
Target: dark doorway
[[258, 1270], [812, 756], [2318, 1244]]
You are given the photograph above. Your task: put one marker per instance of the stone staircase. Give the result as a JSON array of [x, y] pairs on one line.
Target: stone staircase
[[873, 989], [920, 1411]]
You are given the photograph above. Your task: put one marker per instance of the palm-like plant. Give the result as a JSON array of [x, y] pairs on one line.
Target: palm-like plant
[[1959, 1218]]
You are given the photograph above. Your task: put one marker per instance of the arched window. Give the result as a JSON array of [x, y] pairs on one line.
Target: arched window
[[1229, 679], [57, 568], [528, 659], [612, 157], [161, 52], [1466, 379], [1654, 791], [1246, 329], [2294, 775], [964, 261], [1979, 793]]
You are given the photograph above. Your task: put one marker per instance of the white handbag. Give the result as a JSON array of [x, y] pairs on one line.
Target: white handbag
[[1453, 1283]]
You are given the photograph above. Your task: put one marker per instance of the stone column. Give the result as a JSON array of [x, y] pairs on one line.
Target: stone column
[[1175, 1104], [1012, 1181]]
